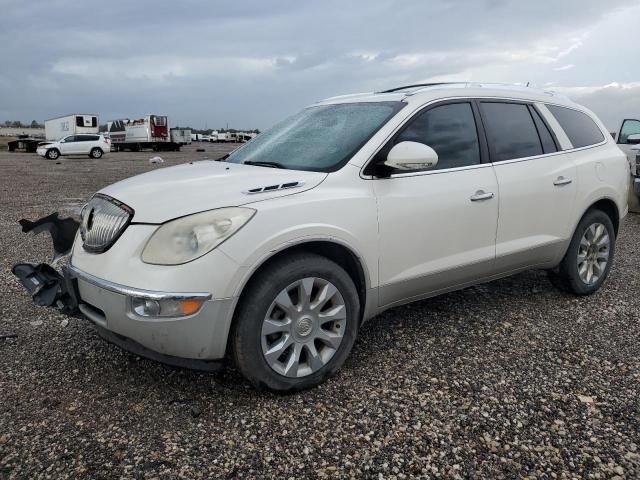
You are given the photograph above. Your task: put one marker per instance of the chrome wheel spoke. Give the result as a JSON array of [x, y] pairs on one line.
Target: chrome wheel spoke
[[293, 362], [339, 312], [326, 293], [305, 290], [276, 350], [582, 269], [270, 326], [313, 357], [283, 301], [331, 339]]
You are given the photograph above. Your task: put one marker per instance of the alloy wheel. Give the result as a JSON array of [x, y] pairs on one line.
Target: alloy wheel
[[304, 327], [593, 253]]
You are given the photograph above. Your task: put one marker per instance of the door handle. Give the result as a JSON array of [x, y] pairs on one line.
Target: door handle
[[558, 182], [481, 195]]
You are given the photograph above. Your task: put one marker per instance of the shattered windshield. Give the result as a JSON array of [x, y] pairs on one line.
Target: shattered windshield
[[321, 138]]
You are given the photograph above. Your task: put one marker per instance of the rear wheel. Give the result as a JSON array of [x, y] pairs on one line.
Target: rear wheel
[[587, 262], [95, 153], [297, 323], [53, 154]]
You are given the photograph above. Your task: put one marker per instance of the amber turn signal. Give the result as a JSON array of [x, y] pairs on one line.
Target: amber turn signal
[[191, 305]]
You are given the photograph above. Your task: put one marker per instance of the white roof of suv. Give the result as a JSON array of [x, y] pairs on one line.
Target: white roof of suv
[[421, 93]]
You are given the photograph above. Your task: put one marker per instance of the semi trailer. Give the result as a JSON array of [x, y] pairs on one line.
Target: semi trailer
[[56, 128], [149, 132]]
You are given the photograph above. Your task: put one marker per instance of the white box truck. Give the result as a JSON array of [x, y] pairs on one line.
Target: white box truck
[[56, 128]]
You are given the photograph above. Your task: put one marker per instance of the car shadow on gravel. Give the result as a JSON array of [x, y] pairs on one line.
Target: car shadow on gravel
[[396, 332]]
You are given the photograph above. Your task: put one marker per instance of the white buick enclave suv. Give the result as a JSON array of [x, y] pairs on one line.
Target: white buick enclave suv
[[274, 255]]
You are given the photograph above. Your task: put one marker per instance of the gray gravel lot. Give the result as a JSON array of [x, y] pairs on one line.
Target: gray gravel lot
[[503, 380]]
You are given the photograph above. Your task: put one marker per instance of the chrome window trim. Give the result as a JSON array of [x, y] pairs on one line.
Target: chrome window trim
[[446, 170], [75, 272]]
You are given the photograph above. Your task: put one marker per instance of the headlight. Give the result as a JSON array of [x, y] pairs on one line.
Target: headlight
[[187, 238]]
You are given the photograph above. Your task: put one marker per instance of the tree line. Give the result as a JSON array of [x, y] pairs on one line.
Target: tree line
[[19, 124]]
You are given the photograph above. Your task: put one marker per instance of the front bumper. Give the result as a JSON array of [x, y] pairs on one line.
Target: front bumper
[[183, 341]]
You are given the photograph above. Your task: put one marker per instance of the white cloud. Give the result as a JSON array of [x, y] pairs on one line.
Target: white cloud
[[564, 68]]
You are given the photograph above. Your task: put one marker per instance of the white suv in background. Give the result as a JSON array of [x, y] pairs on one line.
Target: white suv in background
[[275, 255], [91, 144]]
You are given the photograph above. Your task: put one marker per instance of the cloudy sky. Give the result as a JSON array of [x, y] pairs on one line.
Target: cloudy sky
[[250, 63]]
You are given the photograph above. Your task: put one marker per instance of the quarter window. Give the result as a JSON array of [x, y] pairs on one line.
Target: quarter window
[[450, 130], [511, 131], [579, 127]]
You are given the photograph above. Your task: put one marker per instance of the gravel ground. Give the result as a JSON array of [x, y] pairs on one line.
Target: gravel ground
[[504, 380]]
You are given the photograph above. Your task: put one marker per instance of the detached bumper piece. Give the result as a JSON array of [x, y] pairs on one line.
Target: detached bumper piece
[[47, 287], [62, 230]]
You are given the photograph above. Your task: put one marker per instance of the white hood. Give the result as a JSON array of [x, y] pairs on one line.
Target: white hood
[[168, 193]]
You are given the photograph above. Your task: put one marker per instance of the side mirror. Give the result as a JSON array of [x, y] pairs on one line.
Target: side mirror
[[411, 156], [634, 139]]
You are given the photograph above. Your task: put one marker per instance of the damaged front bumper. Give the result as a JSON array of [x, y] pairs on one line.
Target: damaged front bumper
[[190, 341], [47, 287]]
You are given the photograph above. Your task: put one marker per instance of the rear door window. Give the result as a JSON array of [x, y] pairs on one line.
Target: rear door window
[[450, 130], [579, 127], [511, 131]]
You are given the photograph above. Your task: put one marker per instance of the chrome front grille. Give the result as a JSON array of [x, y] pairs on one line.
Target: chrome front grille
[[103, 221]]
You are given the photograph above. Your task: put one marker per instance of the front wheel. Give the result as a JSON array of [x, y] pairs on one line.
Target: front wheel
[[52, 154], [588, 260], [297, 323]]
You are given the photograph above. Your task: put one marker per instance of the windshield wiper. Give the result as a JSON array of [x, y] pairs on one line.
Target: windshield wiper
[[264, 164], [223, 158]]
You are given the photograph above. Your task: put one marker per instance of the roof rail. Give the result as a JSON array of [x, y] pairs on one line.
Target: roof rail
[[417, 85]]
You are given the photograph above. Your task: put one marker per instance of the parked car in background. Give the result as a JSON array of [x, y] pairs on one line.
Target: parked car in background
[[277, 254], [81, 144], [628, 139]]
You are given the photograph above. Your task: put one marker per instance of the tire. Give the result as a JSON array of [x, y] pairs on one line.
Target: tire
[[305, 333], [53, 154], [634, 202], [95, 153], [589, 246]]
